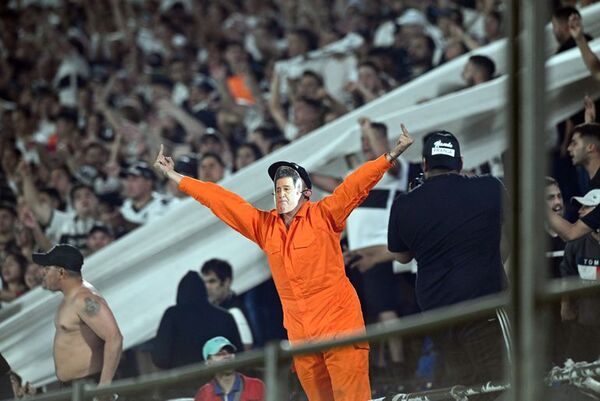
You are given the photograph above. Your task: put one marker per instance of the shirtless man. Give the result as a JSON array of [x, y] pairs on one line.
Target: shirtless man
[[88, 342]]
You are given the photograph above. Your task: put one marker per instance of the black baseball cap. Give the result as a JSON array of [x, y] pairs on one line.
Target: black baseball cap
[[442, 150], [62, 255], [140, 169], [301, 171]]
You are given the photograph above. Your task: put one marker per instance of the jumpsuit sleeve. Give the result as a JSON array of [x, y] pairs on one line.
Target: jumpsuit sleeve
[[231, 208], [353, 190]]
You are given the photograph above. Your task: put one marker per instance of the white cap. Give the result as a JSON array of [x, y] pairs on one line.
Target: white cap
[[592, 198]]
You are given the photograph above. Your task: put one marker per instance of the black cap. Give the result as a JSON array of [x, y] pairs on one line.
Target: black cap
[[140, 169], [62, 255], [442, 150], [187, 165], [301, 171]]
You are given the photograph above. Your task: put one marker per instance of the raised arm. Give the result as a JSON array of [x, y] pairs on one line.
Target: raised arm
[[589, 58], [379, 143], [42, 211], [231, 208], [571, 231], [277, 111], [355, 188]]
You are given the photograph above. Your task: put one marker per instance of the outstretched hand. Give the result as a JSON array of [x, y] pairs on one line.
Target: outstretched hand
[[403, 143], [164, 163]]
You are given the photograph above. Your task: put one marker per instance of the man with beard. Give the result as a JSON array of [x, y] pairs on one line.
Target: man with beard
[[301, 239]]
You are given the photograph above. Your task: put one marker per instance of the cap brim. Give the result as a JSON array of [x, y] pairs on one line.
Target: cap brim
[[302, 173], [581, 200], [40, 259], [273, 168]]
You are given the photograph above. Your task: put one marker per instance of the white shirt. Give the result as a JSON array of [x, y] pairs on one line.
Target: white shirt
[[157, 206]]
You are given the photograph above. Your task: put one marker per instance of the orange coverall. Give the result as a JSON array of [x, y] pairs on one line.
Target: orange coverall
[[308, 270]]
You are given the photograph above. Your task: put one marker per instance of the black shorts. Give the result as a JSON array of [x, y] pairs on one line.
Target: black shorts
[[380, 289], [93, 378]]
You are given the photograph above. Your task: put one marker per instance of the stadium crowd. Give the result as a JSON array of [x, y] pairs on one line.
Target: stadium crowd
[[89, 90]]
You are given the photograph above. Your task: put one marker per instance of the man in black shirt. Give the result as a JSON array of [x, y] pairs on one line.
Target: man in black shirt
[[560, 27], [584, 150], [582, 258], [452, 225], [6, 390]]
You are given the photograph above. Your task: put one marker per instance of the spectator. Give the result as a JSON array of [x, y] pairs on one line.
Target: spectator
[[218, 277], [6, 389], [182, 333], [307, 113], [562, 30], [576, 31], [555, 246], [479, 69], [189, 164], [279, 143], [99, 236], [246, 154], [581, 259], [142, 203], [584, 150], [453, 49], [263, 136], [8, 218], [228, 383], [88, 343], [554, 201], [62, 227], [420, 54], [211, 167], [33, 276], [213, 142], [13, 276], [369, 85], [458, 254]]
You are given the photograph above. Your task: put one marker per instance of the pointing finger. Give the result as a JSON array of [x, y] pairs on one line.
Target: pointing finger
[[404, 130]]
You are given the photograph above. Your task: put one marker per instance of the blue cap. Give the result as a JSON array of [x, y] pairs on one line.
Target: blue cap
[[216, 344]]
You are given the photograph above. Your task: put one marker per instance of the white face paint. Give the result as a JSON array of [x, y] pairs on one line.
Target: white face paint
[[287, 195]]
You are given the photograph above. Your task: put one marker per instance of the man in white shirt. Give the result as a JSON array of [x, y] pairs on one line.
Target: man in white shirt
[[142, 203]]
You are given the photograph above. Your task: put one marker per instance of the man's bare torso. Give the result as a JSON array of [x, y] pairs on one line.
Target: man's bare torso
[[78, 351]]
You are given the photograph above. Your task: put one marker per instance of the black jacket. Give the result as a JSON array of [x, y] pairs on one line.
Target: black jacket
[[186, 326]]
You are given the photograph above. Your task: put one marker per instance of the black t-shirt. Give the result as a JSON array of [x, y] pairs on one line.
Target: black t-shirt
[[555, 247], [452, 224], [4, 366], [595, 181]]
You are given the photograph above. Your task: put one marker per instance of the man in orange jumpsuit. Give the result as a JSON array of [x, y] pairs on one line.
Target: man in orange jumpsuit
[[302, 242]]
